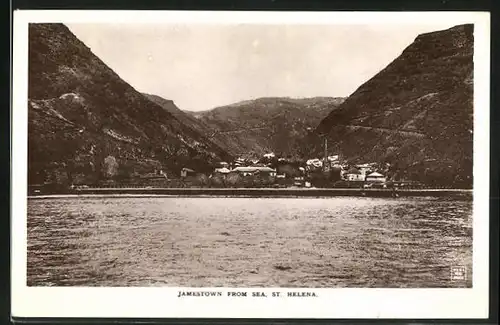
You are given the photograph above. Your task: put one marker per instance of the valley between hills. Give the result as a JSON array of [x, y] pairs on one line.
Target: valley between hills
[[411, 122]]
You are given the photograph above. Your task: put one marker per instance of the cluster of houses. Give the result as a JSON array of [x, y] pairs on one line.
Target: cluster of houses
[[298, 174], [349, 173], [363, 173]]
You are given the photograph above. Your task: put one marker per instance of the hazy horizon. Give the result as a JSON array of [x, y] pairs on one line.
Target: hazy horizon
[[200, 67]]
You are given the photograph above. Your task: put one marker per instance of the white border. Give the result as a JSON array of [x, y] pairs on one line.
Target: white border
[[331, 303]]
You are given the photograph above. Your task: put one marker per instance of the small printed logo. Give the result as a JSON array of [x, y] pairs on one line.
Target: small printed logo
[[458, 273]]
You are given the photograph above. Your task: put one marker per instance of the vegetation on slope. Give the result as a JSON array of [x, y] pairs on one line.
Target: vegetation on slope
[[83, 116], [416, 114], [256, 127]]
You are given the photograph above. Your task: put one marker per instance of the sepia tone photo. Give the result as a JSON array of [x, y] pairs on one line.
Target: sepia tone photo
[[250, 155]]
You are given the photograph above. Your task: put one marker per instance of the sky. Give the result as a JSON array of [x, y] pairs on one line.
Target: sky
[[200, 67]]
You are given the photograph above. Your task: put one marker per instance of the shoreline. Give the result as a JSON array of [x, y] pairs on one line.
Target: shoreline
[[257, 192]]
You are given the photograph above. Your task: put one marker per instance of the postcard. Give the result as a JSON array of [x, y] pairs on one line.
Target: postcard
[[250, 164]]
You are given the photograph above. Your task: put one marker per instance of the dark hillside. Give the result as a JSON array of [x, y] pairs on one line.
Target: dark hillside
[[187, 118], [270, 124], [416, 114], [86, 124]]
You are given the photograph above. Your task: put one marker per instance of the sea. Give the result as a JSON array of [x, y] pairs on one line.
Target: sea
[[334, 242]]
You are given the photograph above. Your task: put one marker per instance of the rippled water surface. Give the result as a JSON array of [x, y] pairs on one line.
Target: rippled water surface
[[249, 242]]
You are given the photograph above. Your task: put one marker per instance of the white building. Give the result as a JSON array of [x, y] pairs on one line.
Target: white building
[[365, 168], [317, 163], [334, 158], [354, 175], [376, 178], [239, 162], [223, 170], [246, 171]]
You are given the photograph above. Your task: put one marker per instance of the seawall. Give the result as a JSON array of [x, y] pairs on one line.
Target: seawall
[[273, 192]]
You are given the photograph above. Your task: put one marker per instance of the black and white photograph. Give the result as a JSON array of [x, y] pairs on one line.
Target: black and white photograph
[[218, 159]]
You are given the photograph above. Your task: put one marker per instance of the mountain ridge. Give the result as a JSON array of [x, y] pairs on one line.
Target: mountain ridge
[[423, 100], [82, 113], [265, 124]]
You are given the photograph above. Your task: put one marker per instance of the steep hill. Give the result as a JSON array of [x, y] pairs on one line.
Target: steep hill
[[87, 124], [185, 117], [416, 114], [271, 124]]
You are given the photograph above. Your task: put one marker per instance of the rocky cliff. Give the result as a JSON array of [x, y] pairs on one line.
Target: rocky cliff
[[86, 124], [416, 114]]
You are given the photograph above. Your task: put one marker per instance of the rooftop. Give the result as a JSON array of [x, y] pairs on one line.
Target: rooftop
[[254, 169], [375, 174], [222, 170]]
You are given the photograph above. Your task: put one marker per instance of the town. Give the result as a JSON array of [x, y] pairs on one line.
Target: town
[[269, 171], [273, 171]]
